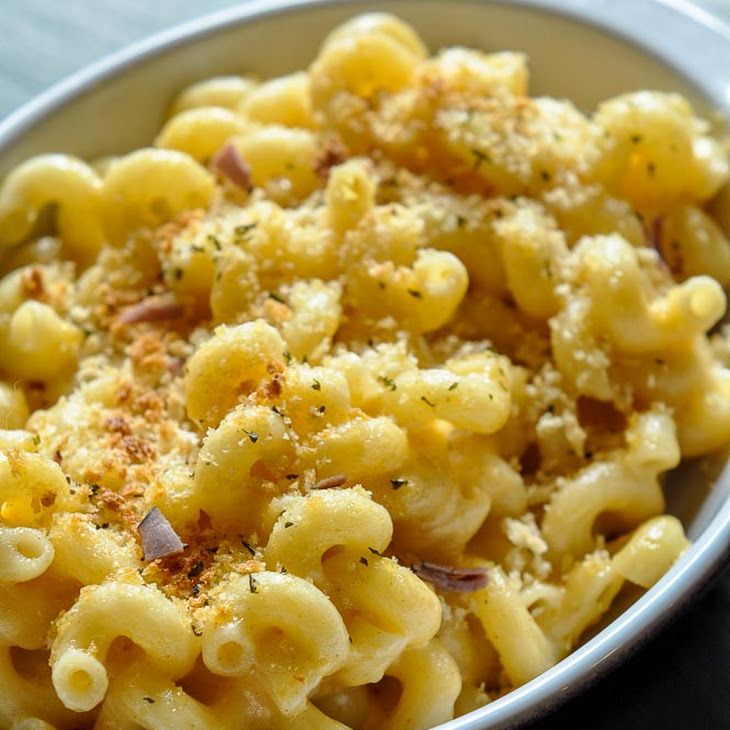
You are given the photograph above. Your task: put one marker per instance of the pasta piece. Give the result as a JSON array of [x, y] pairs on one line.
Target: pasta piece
[[656, 152], [589, 588], [523, 648], [27, 698], [231, 359], [651, 551], [25, 553], [693, 244], [249, 448], [384, 606], [140, 695], [221, 91], [85, 633], [149, 187], [281, 156], [625, 486], [199, 132], [423, 296], [350, 194], [279, 629], [13, 407], [55, 180], [475, 73], [38, 344], [32, 487], [285, 100], [429, 682], [622, 310], [87, 554], [372, 53]]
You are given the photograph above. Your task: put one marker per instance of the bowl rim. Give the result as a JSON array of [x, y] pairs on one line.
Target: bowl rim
[[705, 557], [712, 33]]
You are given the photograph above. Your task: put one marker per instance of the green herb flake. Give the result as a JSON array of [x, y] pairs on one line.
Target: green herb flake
[[427, 402], [389, 383], [364, 561], [479, 158], [245, 229], [287, 525], [252, 585], [316, 385], [454, 386], [253, 437], [149, 700], [415, 293], [248, 546], [374, 551], [276, 297], [288, 357], [398, 482], [196, 570]]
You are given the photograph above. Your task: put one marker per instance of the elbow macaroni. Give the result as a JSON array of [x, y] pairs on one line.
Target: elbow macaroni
[[449, 324]]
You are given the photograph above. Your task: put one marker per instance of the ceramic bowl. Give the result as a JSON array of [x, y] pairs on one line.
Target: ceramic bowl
[[579, 50]]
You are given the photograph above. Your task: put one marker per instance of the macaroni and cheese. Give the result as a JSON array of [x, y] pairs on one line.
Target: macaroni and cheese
[[347, 402]]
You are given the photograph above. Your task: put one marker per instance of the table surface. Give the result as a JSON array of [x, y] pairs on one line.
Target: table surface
[[682, 678]]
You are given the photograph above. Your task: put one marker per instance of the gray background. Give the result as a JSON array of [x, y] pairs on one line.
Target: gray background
[[682, 679]]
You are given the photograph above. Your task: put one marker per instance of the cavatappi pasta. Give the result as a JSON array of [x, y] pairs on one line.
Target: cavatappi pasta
[[341, 333]]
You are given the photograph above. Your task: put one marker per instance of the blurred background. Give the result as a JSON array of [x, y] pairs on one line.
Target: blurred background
[[681, 679], [41, 41]]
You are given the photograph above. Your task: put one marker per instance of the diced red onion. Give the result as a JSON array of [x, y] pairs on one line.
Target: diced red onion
[[449, 578], [152, 309], [228, 163], [159, 539], [336, 480]]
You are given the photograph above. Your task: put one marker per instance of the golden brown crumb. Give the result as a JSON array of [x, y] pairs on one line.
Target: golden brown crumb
[[31, 283], [168, 232]]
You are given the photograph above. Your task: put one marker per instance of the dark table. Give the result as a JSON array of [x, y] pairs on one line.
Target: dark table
[[681, 679]]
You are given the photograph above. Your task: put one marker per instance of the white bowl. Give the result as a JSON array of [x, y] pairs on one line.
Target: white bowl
[[580, 50]]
